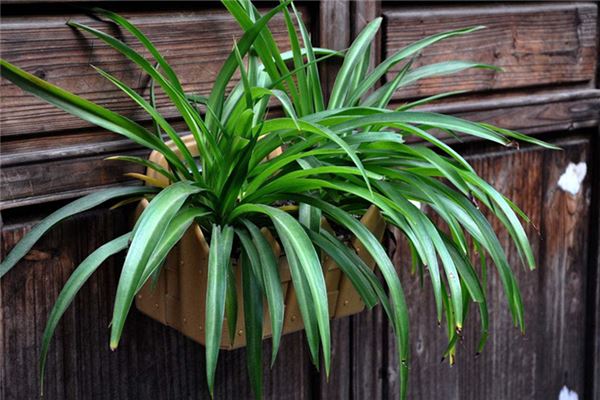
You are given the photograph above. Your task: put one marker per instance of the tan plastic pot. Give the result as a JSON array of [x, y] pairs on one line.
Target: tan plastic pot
[[178, 297]]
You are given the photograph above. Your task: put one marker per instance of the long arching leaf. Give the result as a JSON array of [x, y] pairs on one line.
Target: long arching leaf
[[83, 204], [149, 229], [70, 289], [218, 261], [86, 110]]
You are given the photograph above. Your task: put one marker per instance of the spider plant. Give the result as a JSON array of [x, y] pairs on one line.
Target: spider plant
[[339, 157]]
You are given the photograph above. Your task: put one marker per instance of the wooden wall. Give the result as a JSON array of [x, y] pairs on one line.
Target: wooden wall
[[549, 87]]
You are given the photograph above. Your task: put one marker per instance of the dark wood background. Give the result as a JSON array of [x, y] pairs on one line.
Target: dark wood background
[[549, 52]]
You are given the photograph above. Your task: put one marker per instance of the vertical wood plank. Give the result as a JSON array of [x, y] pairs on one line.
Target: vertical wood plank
[[363, 13], [342, 370], [592, 365], [368, 354], [563, 272], [334, 33]]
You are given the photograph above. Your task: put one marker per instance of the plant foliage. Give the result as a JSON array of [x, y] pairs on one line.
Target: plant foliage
[[339, 156]]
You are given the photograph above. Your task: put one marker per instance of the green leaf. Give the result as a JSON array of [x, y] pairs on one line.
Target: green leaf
[[159, 119], [265, 45], [86, 110], [231, 303], [506, 215], [148, 232], [399, 311], [174, 232], [350, 264], [520, 136], [382, 96], [444, 68], [297, 244], [204, 138], [145, 41], [253, 320], [429, 99], [354, 55], [310, 217], [146, 163], [425, 118], [83, 204], [292, 177], [218, 261], [251, 253], [314, 81], [71, 288], [284, 123], [305, 301], [476, 224], [217, 95], [402, 54], [269, 274], [304, 94], [244, 73]]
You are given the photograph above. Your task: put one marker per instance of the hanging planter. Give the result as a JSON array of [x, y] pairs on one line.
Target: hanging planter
[[177, 298]]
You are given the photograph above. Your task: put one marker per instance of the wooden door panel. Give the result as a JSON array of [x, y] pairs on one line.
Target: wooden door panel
[[535, 44]]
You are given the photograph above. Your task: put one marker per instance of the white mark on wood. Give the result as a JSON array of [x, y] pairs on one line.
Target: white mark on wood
[[570, 180], [567, 394]]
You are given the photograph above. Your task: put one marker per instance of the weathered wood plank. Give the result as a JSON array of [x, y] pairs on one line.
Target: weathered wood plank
[[368, 354], [592, 364], [334, 33], [594, 309], [40, 182], [535, 44], [563, 269], [195, 42], [339, 384]]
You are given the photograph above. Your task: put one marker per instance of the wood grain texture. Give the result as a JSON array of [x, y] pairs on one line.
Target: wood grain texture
[[334, 33], [535, 44], [72, 177], [195, 43], [592, 364], [364, 12]]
